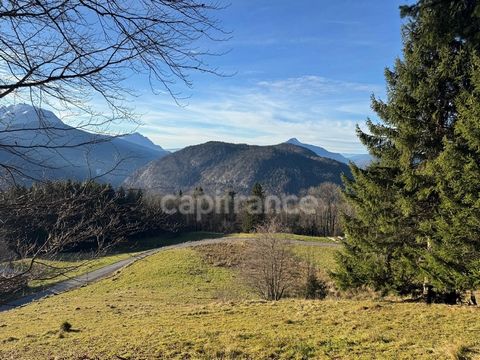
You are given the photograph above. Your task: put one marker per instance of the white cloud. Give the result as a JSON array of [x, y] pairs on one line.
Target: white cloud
[[311, 108], [314, 109], [310, 83]]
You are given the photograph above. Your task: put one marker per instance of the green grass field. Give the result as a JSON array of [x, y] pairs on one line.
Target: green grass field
[[81, 264], [322, 257], [77, 266], [287, 236], [174, 306]]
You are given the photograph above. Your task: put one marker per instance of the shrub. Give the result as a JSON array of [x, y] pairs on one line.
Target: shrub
[[315, 288], [66, 326], [270, 265]]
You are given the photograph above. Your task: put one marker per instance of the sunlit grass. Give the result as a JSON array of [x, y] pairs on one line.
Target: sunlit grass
[[76, 264], [75, 267], [322, 257], [296, 237], [174, 306]]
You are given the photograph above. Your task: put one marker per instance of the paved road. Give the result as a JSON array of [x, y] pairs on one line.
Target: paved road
[[108, 270]]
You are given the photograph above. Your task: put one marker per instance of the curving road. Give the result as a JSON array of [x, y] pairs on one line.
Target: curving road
[[108, 270]]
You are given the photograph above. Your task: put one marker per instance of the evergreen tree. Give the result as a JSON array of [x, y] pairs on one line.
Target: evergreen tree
[[391, 238], [198, 195], [376, 252], [454, 261], [255, 209]]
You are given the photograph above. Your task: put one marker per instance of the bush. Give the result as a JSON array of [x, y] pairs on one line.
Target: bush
[[270, 265], [315, 288], [66, 327]]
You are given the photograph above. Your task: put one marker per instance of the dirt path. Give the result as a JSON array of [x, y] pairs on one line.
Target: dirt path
[[108, 270]]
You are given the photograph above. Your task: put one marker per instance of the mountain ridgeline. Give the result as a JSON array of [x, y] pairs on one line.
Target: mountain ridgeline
[[361, 160], [39, 146], [220, 167], [320, 151]]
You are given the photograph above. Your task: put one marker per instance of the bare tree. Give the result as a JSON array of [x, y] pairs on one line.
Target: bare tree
[[270, 265], [323, 215], [330, 205], [35, 229], [60, 48], [62, 54]]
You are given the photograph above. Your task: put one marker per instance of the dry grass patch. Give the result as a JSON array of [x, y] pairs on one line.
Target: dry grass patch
[[229, 255]]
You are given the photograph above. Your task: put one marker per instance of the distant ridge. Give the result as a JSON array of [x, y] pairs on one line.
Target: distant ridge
[[139, 139], [319, 151], [107, 159], [361, 160], [218, 167]]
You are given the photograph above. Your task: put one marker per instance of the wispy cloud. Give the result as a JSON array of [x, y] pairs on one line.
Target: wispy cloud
[[314, 109], [313, 84], [274, 40]]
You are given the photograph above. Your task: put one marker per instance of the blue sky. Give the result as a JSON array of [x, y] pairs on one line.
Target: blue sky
[[303, 69]]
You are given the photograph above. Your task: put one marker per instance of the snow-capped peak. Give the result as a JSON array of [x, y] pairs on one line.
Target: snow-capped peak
[[24, 114]]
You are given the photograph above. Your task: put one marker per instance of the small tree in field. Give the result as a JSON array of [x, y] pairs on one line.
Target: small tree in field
[[254, 215], [271, 267], [315, 287]]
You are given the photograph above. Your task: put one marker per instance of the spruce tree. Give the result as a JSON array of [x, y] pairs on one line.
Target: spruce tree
[[454, 261], [392, 236], [255, 209]]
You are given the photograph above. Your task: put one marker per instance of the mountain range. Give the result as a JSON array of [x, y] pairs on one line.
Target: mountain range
[[219, 167], [361, 160], [40, 146], [319, 151], [139, 139]]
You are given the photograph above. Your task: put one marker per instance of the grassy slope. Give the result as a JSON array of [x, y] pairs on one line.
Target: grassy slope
[[322, 257], [78, 267], [288, 236], [82, 266], [172, 305]]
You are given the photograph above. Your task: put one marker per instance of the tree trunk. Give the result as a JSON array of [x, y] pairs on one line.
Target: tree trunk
[[428, 293], [473, 299]]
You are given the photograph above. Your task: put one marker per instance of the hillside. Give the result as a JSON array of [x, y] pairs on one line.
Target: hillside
[[217, 166], [42, 147], [180, 307]]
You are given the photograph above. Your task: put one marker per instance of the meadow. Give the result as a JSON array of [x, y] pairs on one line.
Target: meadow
[[76, 264], [294, 237], [176, 305]]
